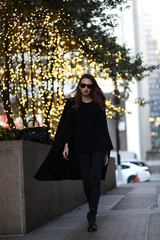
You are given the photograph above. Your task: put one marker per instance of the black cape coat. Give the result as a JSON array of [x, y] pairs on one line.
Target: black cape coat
[[55, 167]]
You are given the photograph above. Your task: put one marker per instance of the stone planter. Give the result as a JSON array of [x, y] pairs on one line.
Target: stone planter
[[26, 203]]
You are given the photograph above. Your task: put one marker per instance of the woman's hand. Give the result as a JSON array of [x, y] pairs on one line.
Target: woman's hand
[[106, 159], [66, 152]]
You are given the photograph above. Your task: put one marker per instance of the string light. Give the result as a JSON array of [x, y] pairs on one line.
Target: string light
[[40, 58]]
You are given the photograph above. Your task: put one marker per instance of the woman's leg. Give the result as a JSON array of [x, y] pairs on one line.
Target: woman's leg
[[95, 178], [85, 168], [91, 169]]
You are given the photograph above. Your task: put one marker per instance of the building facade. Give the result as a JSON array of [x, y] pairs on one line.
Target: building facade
[[139, 30], [147, 40]]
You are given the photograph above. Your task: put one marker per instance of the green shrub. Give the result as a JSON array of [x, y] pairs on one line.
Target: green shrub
[[10, 134]]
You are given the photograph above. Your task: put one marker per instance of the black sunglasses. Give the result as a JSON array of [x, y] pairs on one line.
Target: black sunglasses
[[89, 86]]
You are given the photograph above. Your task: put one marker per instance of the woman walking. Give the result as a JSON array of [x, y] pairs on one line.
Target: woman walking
[[85, 144]]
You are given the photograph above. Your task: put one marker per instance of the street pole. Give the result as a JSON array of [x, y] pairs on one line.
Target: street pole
[[118, 151], [118, 143], [117, 103]]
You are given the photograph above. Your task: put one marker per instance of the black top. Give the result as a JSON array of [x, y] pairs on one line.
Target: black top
[[89, 129], [54, 166]]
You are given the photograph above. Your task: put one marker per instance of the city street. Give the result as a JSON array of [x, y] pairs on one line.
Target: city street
[[79, 85], [129, 212]]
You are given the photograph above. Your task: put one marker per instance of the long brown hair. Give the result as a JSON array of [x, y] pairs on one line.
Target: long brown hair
[[96, 94]]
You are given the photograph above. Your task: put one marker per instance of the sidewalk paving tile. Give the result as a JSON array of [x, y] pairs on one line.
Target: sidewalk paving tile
[[129, 212]]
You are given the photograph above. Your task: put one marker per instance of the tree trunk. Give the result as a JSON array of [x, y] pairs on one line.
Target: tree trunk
[[7, 77]]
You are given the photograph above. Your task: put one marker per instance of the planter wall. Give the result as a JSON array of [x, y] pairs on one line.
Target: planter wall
[[26, 203]]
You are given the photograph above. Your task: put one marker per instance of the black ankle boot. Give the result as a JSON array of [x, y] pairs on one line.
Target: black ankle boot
[[91, 216]]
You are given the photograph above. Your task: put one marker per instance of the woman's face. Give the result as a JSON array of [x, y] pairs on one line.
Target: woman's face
[[86, 86]]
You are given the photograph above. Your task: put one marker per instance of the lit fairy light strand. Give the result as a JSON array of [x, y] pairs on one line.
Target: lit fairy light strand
[[40, 63]]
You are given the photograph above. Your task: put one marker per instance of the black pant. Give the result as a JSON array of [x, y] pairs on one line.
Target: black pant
[[91, 169]]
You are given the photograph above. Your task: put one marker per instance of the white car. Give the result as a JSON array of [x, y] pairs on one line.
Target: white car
[[131, 172], [142, 164]]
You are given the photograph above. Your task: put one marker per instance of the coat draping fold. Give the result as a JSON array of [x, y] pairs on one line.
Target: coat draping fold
[[55, 167]]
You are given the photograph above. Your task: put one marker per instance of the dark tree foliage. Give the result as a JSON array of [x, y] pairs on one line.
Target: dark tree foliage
[[88, 18], [87, 23]]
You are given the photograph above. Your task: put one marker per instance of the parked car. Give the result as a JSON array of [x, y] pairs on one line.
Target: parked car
[[126, 156], [139, 163], [130, 172]]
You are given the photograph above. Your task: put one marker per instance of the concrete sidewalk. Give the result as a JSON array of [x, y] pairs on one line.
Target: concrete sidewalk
[[129, 212]]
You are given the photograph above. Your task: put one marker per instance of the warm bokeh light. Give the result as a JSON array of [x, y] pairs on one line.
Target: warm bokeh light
[[38, 58]]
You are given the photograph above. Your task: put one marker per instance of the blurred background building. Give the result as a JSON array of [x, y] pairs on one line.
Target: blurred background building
[[139, 30]]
